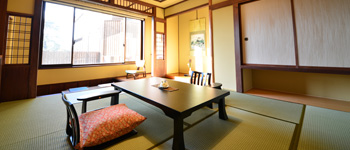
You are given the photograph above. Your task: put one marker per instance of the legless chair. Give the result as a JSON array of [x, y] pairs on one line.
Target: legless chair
[[99, 126], [139, 64], [204, 79], [200, 78]]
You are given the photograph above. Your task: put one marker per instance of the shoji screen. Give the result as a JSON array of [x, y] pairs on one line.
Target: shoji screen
[[267, 33], [323, 29]]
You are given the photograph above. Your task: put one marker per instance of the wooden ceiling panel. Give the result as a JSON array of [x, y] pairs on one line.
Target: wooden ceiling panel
[[162, 3]]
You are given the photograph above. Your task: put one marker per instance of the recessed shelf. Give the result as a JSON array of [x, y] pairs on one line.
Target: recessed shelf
[[302, 99]]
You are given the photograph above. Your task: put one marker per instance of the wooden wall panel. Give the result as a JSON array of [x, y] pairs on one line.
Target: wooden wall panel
[[269, 28], [0, 73], [83, 83], [15, 82], [323, 29], [43, 90]]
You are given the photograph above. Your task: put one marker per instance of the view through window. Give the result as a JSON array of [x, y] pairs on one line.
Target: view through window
[[79, 37]]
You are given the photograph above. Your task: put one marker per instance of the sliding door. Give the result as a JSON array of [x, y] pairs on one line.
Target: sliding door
[[267, 33]]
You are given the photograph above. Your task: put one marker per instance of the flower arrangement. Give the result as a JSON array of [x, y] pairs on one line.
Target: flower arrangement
[[189, 66], [189, 63]]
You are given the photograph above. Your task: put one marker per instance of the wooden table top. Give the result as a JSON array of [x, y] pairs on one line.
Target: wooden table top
[[188, 96]]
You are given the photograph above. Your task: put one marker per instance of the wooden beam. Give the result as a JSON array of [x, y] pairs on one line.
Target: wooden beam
[[238, 55], [160, 20], [295, 35], [35, 48], [222, 4], [3, 31], [211, 39], [3, 25], [328, 70]]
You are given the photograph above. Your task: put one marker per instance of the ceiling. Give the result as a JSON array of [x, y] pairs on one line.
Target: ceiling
[[163, 4]]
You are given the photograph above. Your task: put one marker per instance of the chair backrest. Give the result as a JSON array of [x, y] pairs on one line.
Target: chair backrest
[[200, 78], [72, 128], [140, 64]]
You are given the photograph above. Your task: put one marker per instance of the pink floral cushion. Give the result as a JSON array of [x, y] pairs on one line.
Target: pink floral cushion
[[106, 124]]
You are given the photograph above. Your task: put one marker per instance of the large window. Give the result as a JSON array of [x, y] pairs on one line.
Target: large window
[[79, 37]]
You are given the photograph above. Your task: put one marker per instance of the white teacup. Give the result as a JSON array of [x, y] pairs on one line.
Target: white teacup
[[164, 84]]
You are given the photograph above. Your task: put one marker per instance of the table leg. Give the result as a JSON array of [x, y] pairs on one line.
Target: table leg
[[178, 141], [83, 110], [222, 109], [115, 99]]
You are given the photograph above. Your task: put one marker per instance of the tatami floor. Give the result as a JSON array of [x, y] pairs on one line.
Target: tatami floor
[[254, 123]]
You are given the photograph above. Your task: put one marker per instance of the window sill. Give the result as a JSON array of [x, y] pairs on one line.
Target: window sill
[[42, 67]]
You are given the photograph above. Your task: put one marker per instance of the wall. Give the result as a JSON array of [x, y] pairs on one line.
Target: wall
[[160, 12], [148, 44], [224, 51], [200, 61], [21, 6], [172, 44], [184, 6], [332, 86]]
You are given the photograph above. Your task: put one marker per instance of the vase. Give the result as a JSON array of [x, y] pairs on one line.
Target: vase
[[189, 72]]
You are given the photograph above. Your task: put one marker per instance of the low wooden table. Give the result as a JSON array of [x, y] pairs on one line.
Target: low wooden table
[[177, 104]]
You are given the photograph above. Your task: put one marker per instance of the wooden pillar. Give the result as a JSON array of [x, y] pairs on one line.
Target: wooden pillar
[[211, 39], [3, 24], [35, 48]]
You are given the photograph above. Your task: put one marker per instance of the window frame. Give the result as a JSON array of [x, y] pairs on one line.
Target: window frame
[[59, 66]]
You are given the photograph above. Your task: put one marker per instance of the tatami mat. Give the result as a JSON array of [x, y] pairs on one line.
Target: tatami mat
[[325, 129], [53, 141], [272, 108], [40, 124], [26, 119], [243, 130]]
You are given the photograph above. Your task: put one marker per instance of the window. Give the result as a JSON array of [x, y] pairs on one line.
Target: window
[[133, 42], [81, 37], [58, 29], [159, 46]]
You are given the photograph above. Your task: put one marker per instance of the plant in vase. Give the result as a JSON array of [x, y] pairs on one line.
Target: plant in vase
[[189, 66]]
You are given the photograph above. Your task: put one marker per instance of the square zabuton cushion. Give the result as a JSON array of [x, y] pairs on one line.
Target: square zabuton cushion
[[106, 124]]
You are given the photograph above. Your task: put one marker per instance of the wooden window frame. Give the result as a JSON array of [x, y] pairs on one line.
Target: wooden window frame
[[71, 65]]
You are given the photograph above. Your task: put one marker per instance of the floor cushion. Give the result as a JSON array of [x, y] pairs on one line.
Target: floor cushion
[[106, 124]]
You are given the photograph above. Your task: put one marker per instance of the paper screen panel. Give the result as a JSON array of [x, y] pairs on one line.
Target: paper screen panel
[[269, 28], [323, 32], [18, 40]]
